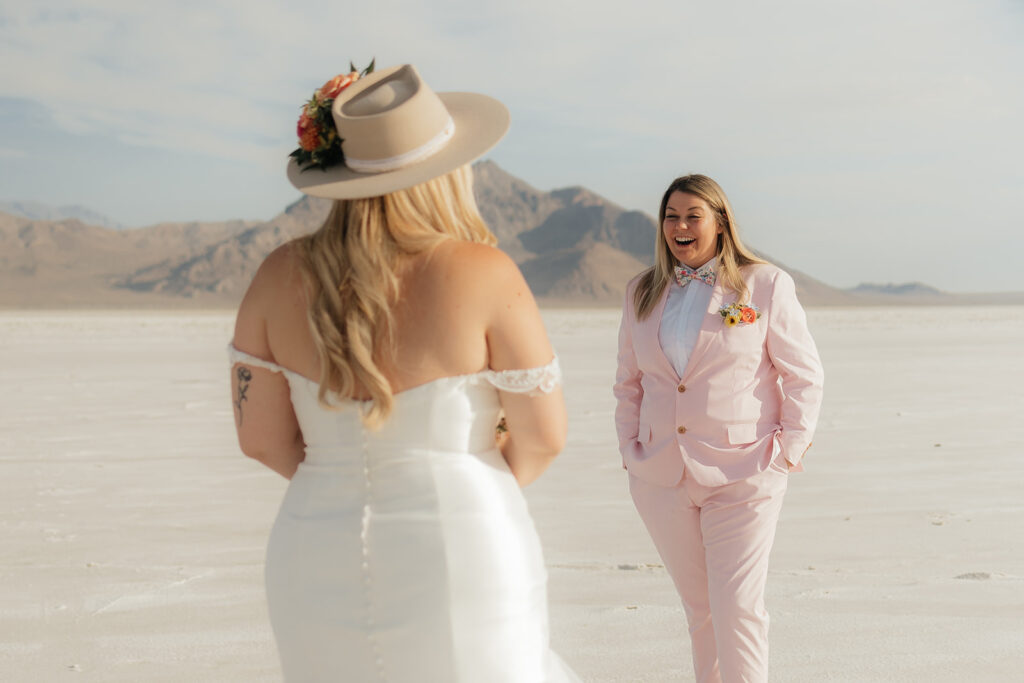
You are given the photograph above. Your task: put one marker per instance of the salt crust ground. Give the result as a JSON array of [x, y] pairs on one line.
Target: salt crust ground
[[133, 530]]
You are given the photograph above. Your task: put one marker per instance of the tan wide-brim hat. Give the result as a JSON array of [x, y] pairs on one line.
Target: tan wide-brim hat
[[396, 132]]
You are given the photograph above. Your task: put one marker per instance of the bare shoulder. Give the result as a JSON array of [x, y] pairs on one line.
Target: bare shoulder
[[473, 259], [281, 266], [481, 272], [279, 274], [494, 292], [277, 281]]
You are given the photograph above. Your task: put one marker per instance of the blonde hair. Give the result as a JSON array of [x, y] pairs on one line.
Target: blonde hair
[[732, 255], [350, 268]]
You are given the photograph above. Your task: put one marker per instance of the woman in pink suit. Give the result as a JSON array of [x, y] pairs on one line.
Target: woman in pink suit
[[718, 391]]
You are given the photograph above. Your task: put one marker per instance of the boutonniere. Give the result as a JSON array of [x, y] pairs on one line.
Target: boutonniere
[[739, 314]]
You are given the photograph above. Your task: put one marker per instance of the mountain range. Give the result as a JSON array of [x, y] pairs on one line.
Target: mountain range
[[574, 247], [45, 212]]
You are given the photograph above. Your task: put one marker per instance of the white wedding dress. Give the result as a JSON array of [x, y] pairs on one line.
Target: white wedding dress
[[407, 554]]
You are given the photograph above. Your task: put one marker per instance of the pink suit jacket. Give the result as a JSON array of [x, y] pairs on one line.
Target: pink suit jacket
[[748, 394]]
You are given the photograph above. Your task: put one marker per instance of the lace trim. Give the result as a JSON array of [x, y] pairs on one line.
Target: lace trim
[[531, 381], [236, 356]]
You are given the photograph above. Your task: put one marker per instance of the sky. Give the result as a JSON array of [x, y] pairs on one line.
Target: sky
[[858, 140]]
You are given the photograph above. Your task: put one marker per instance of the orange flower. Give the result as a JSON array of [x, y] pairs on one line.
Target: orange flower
[[748, 315], [309, 138], [331, 88], [304, 122]]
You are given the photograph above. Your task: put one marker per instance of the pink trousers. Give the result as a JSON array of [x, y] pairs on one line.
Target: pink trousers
[[715, 543]]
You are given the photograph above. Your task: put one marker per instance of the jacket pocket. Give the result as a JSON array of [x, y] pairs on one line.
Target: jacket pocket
[[644, 434], [742, 434], [778, 463]]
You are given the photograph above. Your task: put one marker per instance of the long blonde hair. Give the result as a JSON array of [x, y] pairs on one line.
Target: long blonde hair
[[732, 255], [350, 268]]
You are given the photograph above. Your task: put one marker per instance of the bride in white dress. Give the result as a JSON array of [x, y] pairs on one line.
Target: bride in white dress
[[370, 365]]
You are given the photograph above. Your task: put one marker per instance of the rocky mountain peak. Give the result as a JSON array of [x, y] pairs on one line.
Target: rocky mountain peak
[[573, 246], [581, 196]]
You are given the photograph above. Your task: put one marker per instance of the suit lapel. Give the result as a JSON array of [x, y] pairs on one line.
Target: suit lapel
[[709, 329], [652, 332]]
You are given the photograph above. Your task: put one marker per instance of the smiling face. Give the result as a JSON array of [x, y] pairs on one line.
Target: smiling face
[[690, 229]]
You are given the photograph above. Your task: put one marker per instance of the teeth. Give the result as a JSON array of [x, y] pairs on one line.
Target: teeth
[[684, 240]]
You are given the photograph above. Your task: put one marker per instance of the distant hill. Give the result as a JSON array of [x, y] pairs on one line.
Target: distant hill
[[70, 264], [573, 246], [38, 211], [904, 289], [920, 294], [510, 206], [594, 273]]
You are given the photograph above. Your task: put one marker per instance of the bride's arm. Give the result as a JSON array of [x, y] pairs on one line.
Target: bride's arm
[[516, 339], [267, 432], [265, 421]]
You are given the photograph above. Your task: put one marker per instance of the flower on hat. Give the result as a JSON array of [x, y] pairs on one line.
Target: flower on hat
[[330, 89], [319, 143], [308, 132]]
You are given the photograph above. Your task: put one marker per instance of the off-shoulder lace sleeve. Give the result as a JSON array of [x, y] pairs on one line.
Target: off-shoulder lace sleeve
[[530, 381], [236, 356]]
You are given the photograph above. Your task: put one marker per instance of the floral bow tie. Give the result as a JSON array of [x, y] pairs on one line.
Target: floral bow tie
[[705, 274]]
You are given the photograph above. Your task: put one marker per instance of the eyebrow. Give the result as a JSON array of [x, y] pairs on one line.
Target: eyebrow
[[692, 208]]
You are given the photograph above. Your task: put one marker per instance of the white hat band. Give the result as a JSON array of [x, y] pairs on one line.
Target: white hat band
[[432, 146]]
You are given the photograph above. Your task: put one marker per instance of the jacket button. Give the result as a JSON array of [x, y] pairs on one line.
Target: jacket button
[[681, 430], [681, 388]]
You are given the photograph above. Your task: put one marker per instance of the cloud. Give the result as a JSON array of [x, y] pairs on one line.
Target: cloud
[[226, 77], [819, 118], [182, 75]]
